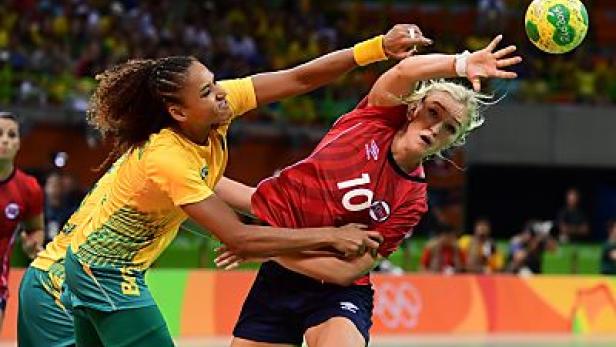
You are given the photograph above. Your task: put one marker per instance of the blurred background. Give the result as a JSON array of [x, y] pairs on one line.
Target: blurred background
[[532, 192]]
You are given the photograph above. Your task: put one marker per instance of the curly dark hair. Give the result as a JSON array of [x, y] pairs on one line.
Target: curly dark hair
[[130, 102]]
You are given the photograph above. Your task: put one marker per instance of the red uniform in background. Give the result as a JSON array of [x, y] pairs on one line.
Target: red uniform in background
[[21, 198]]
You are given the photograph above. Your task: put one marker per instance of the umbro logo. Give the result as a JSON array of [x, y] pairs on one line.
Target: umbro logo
[[349, 306], [372, 150]]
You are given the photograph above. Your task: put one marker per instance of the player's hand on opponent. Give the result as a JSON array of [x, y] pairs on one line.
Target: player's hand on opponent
[[353, 240], [486, 63], [402, 41], [227, 260]]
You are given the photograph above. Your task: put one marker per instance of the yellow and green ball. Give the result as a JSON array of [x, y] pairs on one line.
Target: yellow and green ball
[[556, 26]]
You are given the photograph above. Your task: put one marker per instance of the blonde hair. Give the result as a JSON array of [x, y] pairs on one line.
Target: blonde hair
[[472, 100]]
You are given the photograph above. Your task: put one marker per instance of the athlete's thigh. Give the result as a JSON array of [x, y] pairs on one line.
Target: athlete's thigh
[[239, 342], [335, 332], [135, 327], [41, 319], [85, 331]]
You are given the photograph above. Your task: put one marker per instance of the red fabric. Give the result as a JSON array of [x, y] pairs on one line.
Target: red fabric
[[350, 163], [21, 198]]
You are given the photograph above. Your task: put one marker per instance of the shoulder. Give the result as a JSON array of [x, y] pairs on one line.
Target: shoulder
[[167, 144], [392, 116], [167, 152], [26, 180]]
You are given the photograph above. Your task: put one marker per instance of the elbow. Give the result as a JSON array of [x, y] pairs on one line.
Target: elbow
[[343, 279], [407, 69], [346, 281]]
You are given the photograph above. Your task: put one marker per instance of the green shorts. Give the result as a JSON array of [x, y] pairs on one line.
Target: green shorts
[[42, 321], [135, 327], [104, 288]]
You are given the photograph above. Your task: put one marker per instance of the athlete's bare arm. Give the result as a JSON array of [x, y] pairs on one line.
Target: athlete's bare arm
[[33, 237], [401, 79], [329, 269], [260, 241], [235, 194], [273, 86]]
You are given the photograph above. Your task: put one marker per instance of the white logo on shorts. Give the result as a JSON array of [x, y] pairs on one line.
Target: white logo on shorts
[[11, 211], [349, 306]]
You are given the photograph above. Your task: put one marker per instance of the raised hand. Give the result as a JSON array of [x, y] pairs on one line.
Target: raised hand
[[485, 63], [402, 40]]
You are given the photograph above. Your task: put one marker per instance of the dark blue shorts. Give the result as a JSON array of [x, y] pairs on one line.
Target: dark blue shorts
[[283, 304]]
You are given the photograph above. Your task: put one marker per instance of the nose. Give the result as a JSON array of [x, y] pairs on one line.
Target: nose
[[220, 93], [436, 128]]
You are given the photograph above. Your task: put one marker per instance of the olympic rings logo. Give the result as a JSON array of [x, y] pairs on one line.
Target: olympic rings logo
[[397, 306]]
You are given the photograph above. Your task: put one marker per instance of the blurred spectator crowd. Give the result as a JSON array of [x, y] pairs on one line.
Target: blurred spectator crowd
[[51, 50], [449, 252]]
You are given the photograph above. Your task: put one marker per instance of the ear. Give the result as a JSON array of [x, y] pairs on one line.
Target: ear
[[177, 113], [412, 111]]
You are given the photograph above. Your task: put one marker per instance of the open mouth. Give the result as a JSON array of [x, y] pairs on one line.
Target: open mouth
[[426, 139], [223, 105]]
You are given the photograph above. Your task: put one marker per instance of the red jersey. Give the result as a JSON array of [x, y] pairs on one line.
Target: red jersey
[[351, 177], [21, 198]]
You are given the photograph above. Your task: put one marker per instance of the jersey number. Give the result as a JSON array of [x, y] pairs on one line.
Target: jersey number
[[364, 195]]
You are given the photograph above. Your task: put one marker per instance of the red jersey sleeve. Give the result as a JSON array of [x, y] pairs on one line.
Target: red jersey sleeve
[[400, 224], [34, 198], [391, 116]]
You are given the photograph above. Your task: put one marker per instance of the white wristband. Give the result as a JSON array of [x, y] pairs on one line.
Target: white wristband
[[460, 60]]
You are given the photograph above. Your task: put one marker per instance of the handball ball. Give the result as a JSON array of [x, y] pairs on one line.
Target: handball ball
[[556, 26]]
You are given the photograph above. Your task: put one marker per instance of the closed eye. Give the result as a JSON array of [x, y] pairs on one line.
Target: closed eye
[[433, 113], [450, 129], [206, 92]]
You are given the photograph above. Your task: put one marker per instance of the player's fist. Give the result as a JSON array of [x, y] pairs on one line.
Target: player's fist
[[402, 41], [353, 240]]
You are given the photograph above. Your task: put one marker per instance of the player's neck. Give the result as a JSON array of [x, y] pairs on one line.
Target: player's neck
[[6, 169], [403, 157], [197, 137]]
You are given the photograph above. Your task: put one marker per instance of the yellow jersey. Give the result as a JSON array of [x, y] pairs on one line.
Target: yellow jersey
[[140, 211]]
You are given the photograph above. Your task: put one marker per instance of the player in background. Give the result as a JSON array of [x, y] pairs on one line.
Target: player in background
[[42, 318], [169, 118], [21, 201], [367, 169]]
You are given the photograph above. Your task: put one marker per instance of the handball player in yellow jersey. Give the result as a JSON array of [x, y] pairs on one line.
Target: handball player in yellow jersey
[[168, 118]]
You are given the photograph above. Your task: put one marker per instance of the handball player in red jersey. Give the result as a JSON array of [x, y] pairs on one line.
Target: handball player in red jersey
[[367, 169], [21, 201]]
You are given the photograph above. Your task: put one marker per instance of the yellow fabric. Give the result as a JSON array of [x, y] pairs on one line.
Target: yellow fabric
[[369, 51], [140, 211], [240, 95], [56, 249]]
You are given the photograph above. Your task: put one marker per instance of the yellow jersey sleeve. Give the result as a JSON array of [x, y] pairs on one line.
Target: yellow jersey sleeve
[[177, 173], [240, 95]]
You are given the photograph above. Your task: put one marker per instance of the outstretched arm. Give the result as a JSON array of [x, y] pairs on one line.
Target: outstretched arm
[[260, 241], [400, 80], [399, 42], [235, 194]]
